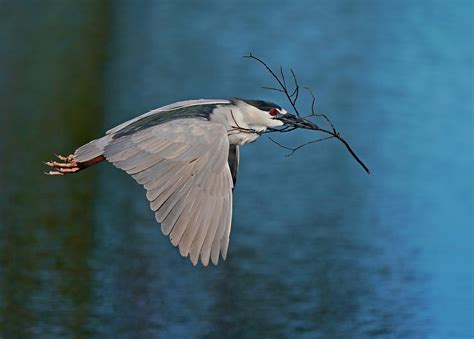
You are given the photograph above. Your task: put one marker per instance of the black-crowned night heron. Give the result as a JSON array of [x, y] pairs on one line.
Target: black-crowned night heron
[[186, 155]]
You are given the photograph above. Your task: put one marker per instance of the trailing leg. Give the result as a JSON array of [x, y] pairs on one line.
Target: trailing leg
[[68, 165]]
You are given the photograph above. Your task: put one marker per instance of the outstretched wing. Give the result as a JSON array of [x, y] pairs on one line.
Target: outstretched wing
[[183, 166]]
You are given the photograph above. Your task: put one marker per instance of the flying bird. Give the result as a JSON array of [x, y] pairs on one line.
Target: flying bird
[[186, 156]]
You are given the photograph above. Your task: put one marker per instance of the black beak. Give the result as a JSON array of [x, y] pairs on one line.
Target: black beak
[[297, 122]]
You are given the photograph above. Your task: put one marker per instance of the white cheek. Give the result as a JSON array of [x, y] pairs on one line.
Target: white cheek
[[274, 123]]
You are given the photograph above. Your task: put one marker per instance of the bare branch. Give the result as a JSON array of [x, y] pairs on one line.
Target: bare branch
[[313, 100], [297, 87], [304, 122], [279, 144], [341, 139], [314, 114], [251, 56], [309, 142], [281, 82], [294, 149], [281, 130], [327, 119], [273, 89], [282, 75]]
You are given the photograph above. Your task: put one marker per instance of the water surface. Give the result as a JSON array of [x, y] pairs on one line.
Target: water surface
[[318, 248]]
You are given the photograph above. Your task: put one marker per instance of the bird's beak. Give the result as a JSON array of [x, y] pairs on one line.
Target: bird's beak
[[295, 121]]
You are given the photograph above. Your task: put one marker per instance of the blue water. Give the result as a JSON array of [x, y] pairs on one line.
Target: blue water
[[319, 249]]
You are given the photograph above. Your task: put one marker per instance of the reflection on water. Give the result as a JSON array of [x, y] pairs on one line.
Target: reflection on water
[[318, 249]]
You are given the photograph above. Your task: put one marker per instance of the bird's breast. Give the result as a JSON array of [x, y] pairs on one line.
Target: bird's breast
[[238, 137]]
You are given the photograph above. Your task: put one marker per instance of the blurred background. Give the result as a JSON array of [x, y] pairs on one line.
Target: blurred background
[[319, 249]]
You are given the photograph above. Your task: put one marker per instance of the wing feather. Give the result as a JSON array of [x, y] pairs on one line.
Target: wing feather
[[224, 230], [172, 204], [156, 186], [132, 160], [192, 209], [148, 161], [216, 243], [116, 153], [211, 233], [199, 220], [183, 165], [166, 193], [168, 222], [199, 238]]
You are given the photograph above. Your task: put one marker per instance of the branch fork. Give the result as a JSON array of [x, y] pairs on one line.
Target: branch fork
[[292, 96]]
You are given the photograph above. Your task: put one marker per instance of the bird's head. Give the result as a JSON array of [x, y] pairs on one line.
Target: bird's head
[[269, 114]]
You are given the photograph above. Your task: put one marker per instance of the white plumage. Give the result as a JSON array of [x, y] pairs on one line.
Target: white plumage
[[180, 154]]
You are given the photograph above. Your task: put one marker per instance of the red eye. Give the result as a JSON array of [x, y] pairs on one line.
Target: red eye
[[273, 112]]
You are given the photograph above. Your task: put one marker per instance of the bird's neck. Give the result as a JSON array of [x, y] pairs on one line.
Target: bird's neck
[[239, 129]]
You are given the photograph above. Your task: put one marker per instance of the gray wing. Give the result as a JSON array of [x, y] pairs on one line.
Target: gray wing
[[233, 160], [176, 105], [183, 166], [157, 116]]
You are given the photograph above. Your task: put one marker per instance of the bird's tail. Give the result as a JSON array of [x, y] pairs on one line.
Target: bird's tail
[[92, 149]]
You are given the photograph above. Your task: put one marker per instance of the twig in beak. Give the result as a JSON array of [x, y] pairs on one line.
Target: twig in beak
[[293, 122]]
